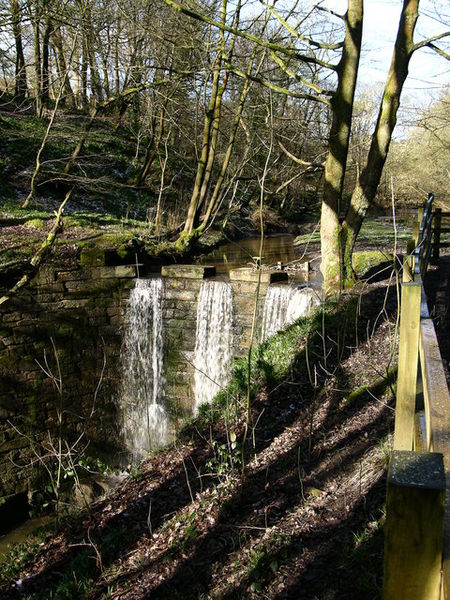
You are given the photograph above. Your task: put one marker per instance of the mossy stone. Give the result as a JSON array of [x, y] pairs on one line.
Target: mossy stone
[[92, 257]]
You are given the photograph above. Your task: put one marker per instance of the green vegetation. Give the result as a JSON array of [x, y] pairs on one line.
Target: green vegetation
[[375, 231]]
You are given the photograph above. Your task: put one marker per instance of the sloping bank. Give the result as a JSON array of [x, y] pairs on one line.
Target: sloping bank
[[295, 513]]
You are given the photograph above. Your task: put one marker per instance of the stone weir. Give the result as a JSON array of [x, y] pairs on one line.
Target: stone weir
[[61, 355], [180, 315]]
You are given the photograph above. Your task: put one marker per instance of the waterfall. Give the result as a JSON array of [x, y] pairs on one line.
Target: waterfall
[[284, 305], [145, 420], [213, 355]]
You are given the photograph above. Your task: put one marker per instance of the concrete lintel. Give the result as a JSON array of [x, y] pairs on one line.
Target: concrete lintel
[[247, 274], [188, 271]]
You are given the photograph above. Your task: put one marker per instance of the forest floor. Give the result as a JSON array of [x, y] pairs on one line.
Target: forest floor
[[301, 517]]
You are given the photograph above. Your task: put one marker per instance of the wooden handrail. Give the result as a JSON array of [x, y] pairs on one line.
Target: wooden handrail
[[418, 345]]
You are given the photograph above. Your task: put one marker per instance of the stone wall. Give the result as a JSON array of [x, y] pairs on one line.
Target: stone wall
[[66, 323], [71, 323]]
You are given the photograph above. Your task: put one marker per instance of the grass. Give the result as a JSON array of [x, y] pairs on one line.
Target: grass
[[374, 231]]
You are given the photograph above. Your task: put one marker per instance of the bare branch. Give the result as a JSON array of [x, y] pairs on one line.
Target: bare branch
[[298, 78], [298, 35], [446, 55], [429, 42], [248, 36], [277, 88], [330, 12], [299, 161]]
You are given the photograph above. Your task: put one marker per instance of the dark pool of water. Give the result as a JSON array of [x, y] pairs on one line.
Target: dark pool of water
[[20, 534], [242, 253]]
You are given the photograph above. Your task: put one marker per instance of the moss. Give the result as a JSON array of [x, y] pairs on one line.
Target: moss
[[65, 331], [92, 257], [39, 345], [365, 260], [32, 411], [376, 387], [36, 223], [123, 251], [186, 239]]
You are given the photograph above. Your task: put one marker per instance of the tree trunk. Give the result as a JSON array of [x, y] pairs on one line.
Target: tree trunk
[[84, 73], [20, 82], [192, 214], [35, 16], [213, 202], [341, 108], [69, 97], [152, 147], [369, 179], [45, 91]]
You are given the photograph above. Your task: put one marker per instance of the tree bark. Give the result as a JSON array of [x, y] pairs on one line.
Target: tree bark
[[20, 82], [69, 96], [153, 145], [192, 214], [341, 109], [35, 17], [369, 179], [45, 90], [214, 200]]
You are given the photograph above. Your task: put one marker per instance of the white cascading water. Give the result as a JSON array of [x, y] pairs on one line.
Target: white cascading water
[[213, 356], [284, 305], [145, 420]]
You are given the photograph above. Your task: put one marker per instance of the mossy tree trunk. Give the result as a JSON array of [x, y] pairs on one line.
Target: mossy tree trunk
[[341, 108], [339, 237], [69, 97], [215, 197], [45, 91], [369, 179], [210, 116], [35, 16]]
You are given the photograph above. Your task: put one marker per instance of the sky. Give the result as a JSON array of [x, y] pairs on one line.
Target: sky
[[429, 72]]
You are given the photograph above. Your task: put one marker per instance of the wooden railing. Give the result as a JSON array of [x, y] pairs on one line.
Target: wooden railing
[[417, 532]]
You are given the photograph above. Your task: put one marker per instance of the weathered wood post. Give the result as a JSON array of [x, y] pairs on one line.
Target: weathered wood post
[[420, 213], [408, 265], [414, 526], [407, 364], [415, 232], [437, 235]]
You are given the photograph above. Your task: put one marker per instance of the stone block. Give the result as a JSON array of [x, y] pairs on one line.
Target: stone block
[[181, 295], [73, 304], [117, 272], [251, 275], [188, 271], [45, 275], [73, 275]]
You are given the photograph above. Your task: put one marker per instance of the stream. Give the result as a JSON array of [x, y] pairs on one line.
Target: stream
[[242, 253]]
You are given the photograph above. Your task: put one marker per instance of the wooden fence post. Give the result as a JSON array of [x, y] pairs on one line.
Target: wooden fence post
[[437, 235], [414, 526], [420, 212], [408, 266], [407, 365], [415, 232]]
